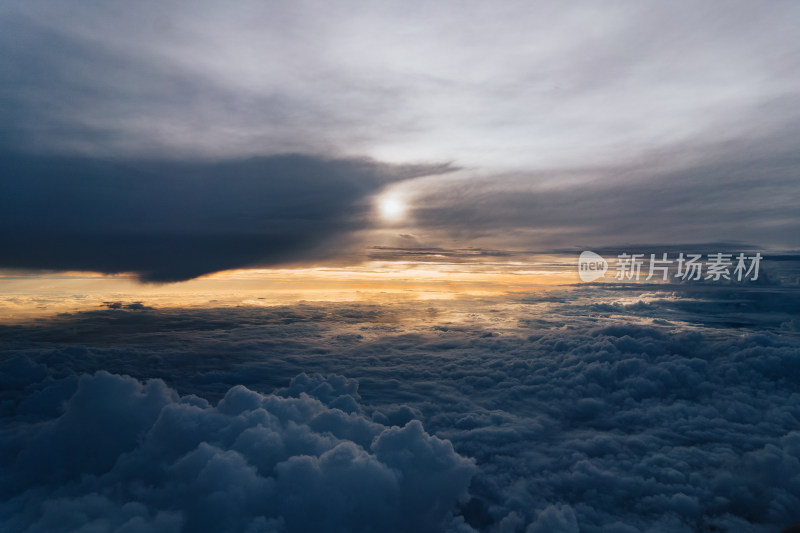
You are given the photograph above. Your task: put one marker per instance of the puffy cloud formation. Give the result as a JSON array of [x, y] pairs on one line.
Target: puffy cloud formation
[[106, 452], [582, 412]]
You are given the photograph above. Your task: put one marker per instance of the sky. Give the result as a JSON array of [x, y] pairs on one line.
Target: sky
[[312, 266], [185, 140]]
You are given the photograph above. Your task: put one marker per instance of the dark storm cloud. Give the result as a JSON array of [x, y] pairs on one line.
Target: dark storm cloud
[[169, 221]]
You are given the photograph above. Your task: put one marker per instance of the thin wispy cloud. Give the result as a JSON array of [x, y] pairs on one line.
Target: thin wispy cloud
[[528, 84]]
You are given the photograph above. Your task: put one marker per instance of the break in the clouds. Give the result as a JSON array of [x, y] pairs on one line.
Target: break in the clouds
[[170, 221]]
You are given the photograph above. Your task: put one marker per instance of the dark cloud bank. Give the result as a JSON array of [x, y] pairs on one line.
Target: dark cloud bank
[[566, 413], [168, 221]]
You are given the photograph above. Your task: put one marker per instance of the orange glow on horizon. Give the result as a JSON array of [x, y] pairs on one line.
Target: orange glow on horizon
[[27, 296]]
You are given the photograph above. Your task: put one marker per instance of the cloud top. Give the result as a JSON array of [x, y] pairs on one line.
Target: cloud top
[[117, 454]]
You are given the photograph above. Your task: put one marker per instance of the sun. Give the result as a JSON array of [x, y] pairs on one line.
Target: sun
[[392, 207]]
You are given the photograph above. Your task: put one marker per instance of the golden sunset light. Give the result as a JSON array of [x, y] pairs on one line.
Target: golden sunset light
[[399, 266], [27, 296]]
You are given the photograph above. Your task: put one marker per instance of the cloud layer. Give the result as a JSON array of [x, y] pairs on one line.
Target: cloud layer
[[527, 84], [733, 191], [171, 221], [589, 410], [581, 125], [116, 454]]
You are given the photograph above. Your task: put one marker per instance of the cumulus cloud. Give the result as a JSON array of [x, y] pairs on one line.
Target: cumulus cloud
[[171, 221], [576, 416], [116, 454]]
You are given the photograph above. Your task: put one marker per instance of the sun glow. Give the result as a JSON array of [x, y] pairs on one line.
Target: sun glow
[[392, 208]]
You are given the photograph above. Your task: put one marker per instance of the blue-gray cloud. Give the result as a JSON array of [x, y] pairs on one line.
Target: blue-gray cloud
[[171, 221], [137, 457], [738, 191], [637, 121], [526, 85], [664, 411]]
